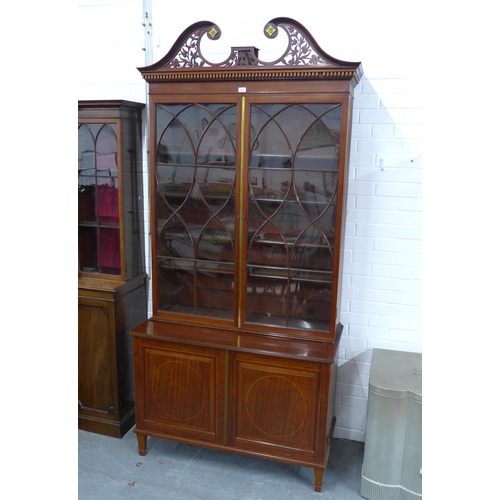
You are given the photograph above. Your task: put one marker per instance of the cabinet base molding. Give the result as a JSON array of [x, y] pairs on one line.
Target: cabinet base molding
[[112, 428]]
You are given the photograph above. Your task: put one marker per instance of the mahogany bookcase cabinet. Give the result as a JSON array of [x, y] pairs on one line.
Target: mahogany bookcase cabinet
[[248, 164], [112, 283]]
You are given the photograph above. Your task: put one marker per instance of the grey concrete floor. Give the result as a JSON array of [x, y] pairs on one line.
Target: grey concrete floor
[[110, 468]]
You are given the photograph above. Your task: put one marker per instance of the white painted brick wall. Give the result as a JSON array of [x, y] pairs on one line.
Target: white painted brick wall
[[382, 288]]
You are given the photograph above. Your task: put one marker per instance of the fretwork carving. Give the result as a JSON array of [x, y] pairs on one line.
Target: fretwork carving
[[301, 51]]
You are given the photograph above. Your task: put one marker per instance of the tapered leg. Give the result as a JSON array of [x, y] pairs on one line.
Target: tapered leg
[[142, 442], [318, 479]]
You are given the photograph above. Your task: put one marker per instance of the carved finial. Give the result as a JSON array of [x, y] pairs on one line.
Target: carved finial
[[214, 32], [271, 30]]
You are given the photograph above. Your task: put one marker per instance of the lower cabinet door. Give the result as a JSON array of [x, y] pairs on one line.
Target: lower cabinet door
[[179, 391], [278, 407], [96, 358]]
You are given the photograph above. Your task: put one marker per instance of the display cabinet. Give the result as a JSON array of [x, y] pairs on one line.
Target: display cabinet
[[248, 181], [112, 283]]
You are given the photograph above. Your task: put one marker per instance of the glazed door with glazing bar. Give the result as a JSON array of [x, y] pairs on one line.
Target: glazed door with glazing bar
[[195, 209], [292, 177], [246, 211]]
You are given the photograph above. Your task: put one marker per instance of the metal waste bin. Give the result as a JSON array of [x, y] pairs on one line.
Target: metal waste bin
[[392, 463]]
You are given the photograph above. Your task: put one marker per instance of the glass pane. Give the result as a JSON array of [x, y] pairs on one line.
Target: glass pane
[[176, 285], [174, 145], [195, 207], [175, 240], [86, 198], [266, 297], [292, 299], [107, 175], [216, 183], [216, 243], [215, 288], [109, 250], [108, 211], [99, 250], [311, 303], [292, 181], [218, 142], [87, 249], [312, 250], [269, 184], [86, 174], [86, 150], [175, 183], [106, 150], [315, 188]]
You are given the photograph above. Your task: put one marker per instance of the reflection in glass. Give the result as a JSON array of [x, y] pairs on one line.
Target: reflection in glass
[[98, 199], [292, 179]]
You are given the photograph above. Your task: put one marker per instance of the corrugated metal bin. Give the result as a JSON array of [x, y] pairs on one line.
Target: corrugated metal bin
[[392, 464]]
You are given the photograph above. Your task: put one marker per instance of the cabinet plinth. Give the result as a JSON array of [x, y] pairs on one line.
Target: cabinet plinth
[[248, 189]]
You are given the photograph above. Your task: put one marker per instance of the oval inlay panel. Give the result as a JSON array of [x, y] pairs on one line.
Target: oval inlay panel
[[276, 406], [179, 390]]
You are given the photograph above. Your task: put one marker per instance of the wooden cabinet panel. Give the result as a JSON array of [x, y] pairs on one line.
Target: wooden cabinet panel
[[181, 390], [95, 327], [276, 405]]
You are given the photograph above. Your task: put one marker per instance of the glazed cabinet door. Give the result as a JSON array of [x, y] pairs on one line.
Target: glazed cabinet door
[[99, 237], [194, 198], [179, 391], [278, 407], [293, 222], [247, 219]]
